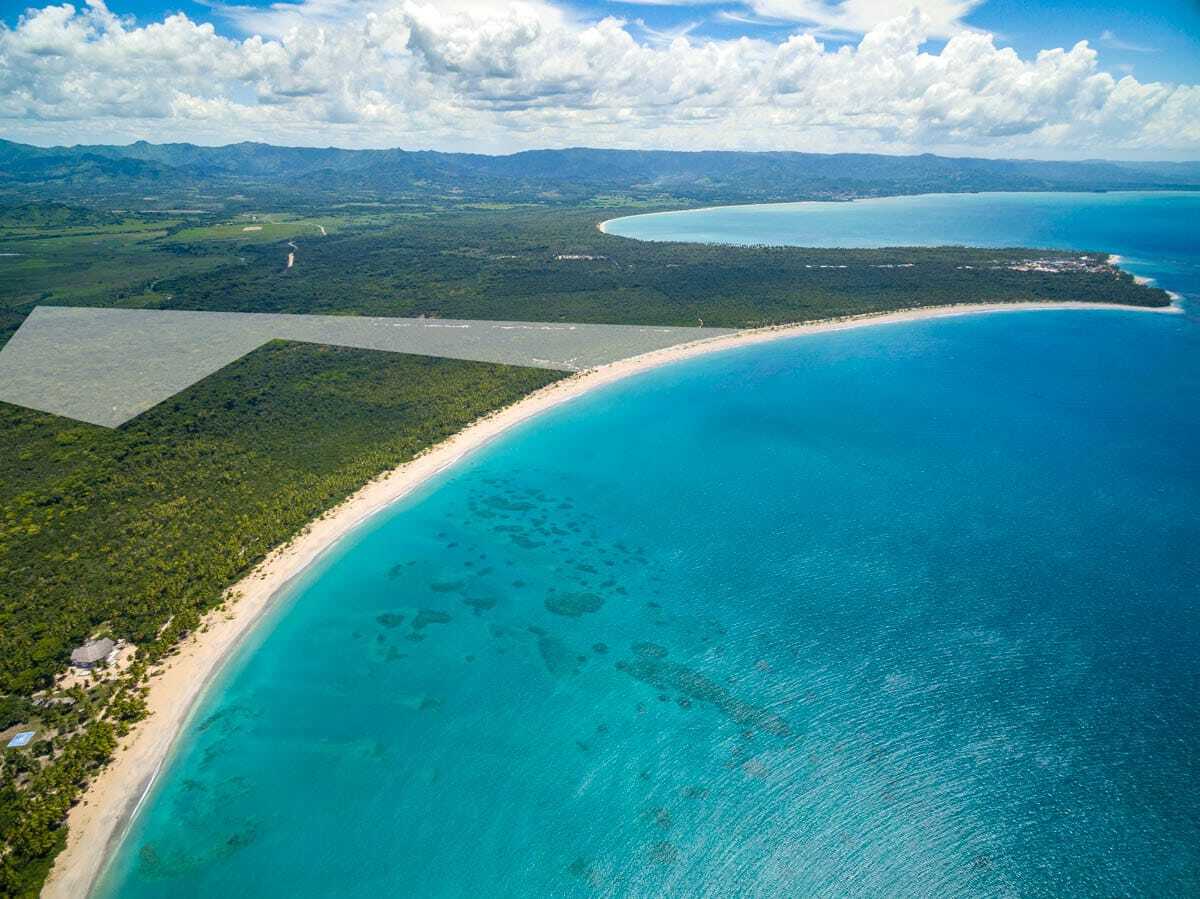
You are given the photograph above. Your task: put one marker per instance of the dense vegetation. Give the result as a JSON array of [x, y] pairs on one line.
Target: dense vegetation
[[70, 255], [145, 525], [138, 530], [134, 525], [562, 176], [501, 264]]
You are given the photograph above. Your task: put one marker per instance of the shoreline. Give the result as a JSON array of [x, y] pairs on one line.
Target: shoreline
[[932, 193], [100, 820]]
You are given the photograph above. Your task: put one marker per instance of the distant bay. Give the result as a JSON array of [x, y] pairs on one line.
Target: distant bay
[[903, 611], [1153, 232]]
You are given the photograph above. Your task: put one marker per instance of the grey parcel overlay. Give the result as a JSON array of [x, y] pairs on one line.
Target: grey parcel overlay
[[106, 366]]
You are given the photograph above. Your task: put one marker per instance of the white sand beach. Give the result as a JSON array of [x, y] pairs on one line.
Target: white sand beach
[[100, 820]]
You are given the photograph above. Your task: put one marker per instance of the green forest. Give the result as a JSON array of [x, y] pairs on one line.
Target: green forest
[[145, 526], [135, 532], [502, 263]]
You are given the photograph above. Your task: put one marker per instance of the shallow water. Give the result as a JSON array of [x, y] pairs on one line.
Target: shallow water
[[1155, 232], [908, 610]]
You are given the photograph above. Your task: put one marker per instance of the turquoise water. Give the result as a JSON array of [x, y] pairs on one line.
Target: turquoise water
[[910, 610], [1154, 232]]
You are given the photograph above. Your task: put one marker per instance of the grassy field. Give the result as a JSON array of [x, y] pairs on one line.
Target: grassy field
[[50, 260], [253, 228], [118, 264]]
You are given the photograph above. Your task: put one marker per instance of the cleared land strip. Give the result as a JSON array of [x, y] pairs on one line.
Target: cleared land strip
[[106, 366]]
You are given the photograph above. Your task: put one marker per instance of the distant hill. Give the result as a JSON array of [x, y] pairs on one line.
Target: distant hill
[[545, 175], [52, 216]]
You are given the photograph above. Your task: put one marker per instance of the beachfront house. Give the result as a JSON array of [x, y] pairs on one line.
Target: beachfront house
[[92, 653]]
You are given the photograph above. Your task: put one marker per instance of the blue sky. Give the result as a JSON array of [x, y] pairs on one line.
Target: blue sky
[[1158, 40], [967, 77]]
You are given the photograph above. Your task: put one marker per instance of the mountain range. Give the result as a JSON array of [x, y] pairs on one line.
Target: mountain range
[[567, 175]]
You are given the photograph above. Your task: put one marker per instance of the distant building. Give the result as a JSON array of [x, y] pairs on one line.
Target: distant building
[[22, 739], [92, 653]]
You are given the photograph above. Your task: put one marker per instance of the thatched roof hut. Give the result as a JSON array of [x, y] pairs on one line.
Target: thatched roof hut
[[92, 653]]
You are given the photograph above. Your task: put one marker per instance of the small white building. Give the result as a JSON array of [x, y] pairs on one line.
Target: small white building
[[93, 653]]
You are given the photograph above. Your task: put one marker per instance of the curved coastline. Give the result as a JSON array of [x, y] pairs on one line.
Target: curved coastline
[[99, 822], [602, 227]]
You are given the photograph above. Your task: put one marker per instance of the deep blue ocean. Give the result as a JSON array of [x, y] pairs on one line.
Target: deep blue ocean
[[908, 610]]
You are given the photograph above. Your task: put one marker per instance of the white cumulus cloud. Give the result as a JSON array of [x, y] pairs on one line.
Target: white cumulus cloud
[[468, 74], [942, 17]]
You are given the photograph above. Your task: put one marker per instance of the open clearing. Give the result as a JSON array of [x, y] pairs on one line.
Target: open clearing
[[106, 366]]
